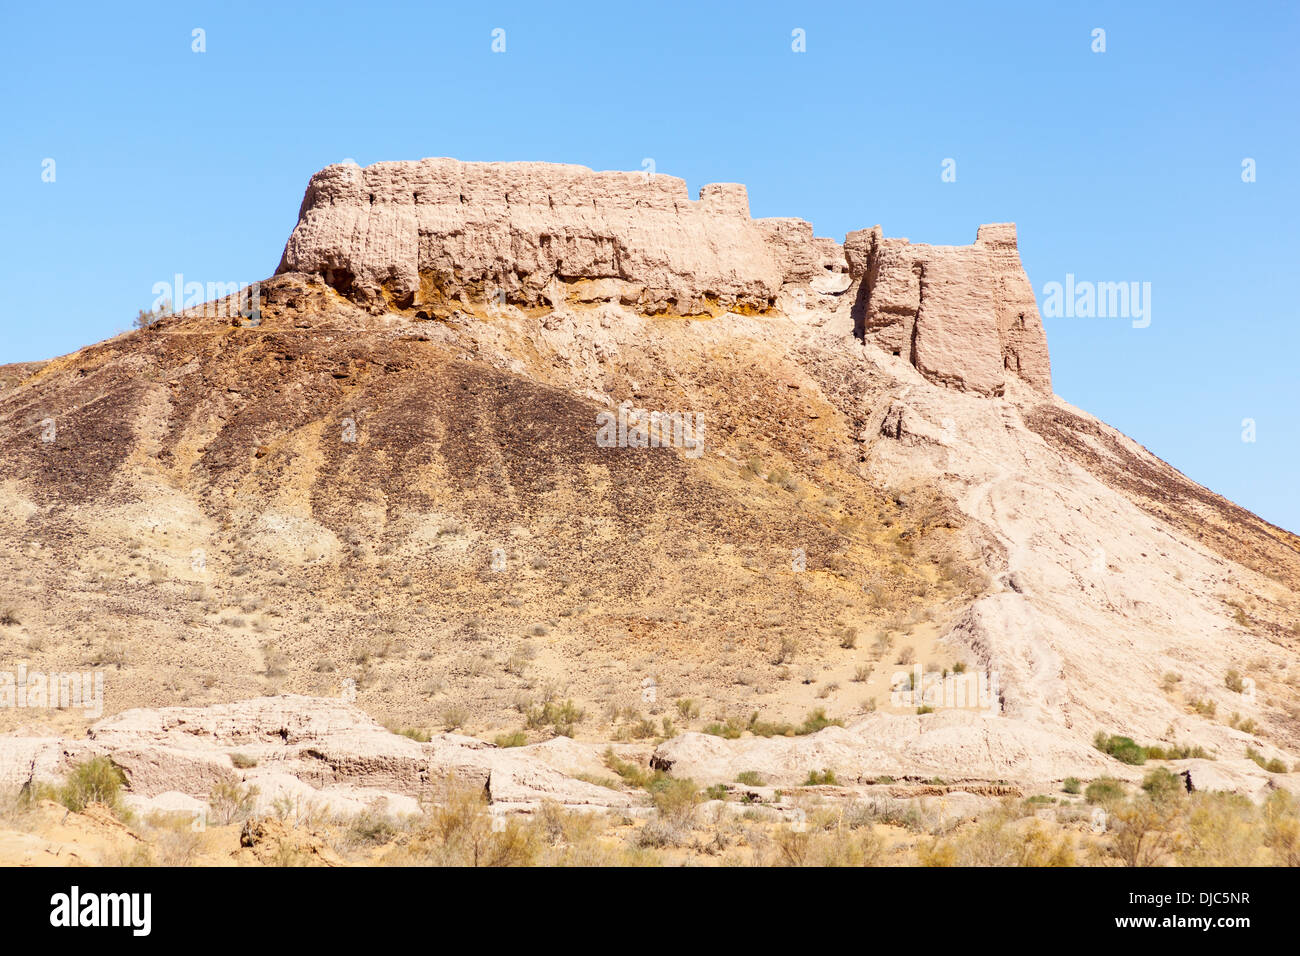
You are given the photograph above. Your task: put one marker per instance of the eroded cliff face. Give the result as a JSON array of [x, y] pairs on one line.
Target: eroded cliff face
[[422, 233], [965, 316], [436, 233]]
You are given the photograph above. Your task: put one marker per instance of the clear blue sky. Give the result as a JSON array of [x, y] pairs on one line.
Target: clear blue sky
[[1117, 166]]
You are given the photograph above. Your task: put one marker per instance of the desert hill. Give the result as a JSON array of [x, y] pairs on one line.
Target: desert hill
[[514, 449]]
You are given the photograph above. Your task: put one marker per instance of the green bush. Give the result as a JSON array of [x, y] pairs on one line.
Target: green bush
[[675, 800], [413, 732], [96, 780], [631, 774], [817, 720], [768, 728], [728, 731], [1123, 749], [1072, 785], [643, 729], [1103, 790], [814, 721], [562, 717], [818, 778], [1161, 784], [1272, 766], [1176, 752]]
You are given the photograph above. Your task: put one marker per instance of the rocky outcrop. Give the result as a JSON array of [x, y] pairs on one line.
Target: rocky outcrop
[[438, 235], [945, 744], [965, 316], [413, 234], [312, 751]]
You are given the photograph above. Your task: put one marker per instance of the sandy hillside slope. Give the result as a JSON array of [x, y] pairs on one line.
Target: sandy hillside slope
[[388, 486]]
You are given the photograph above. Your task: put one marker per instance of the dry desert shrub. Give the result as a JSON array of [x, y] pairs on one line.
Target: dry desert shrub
[[455, 717], [658, 833], [173, 838], [1147, 829], [1144, 831], [581, 838], [675, 801], [232, 802], [299, 811], [458, 830], [841, 846], [16, 810], [1281, 814], [112, 652], [1221, 829], [688, 709], [354, 836], [135, 854], [1001, 839], [912, 815], [277, 662], [785, 650]]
